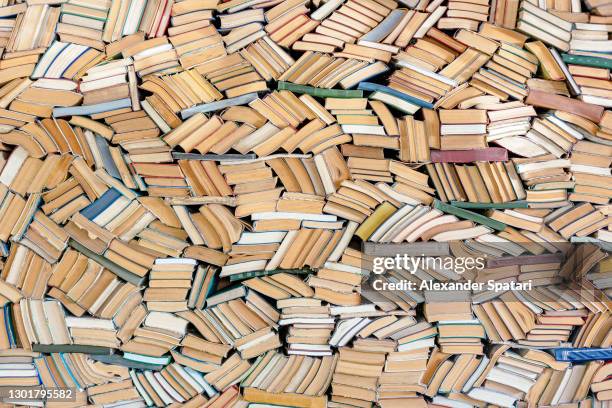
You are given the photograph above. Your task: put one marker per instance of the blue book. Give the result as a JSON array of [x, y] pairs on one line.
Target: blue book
[[94, 209], [8, 322], [85, 110], [107, 160], [370, 86], [582, 354]]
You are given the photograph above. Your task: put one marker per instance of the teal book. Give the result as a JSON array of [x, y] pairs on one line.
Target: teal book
[[370, 86], [587, 61], [319, 92], [71, 348], [119, 360], [469, 215], [489, 206], [256, 274]]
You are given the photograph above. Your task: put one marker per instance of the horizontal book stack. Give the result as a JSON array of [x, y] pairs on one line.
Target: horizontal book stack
[[462, 129], [461, 337], [170, 280], [83, 24], [465, 15], [589, 168], [310, 325], [356, 375]]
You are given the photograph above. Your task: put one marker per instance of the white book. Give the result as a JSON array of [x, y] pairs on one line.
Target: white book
[[13, 165], [492, 397], [152, 51], [52, 83], [103, 83], [396, 102], [596, 100], [550, 164], [364, 129], [242, 267], [326, 9], [280, 215], [90, 323], [268, 237], [417, 345], [166, 321], [447, 402], [465, 129], [171, 261], [581, 168]]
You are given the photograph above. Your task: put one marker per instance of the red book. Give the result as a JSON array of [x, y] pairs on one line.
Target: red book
[[551, 101], [491, 154]]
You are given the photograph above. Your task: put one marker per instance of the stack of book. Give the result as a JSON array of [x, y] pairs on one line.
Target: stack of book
[[590, 166], [169, 282], [463, 129], [309, 325], [461, 337], [465, 15], [356, 376]]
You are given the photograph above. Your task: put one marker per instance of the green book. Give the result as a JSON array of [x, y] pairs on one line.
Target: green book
[[71, 348], [469, 215], [108, 264], [487, 206], [587, 61], [256, 274], [320, 92], [117, 359]]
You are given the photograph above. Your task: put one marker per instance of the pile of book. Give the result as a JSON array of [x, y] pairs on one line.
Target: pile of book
[[196, 197]]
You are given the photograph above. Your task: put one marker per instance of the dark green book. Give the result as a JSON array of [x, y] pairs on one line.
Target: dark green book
[[213, 157], [116, 359], [255, 274], [587, 61], [487, 206], [319, 92], [469, 215], [108, 264], [71, 348]]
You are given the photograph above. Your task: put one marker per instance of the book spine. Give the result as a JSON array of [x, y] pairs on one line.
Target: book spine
[[587, 61], [71, 348], [368, 86], [582, 354], [213, 157], [491, 154], [255, 274], [511, 204], [319, 92], [469, 215]]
